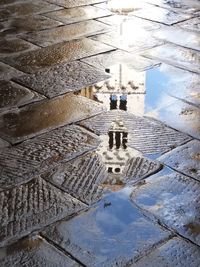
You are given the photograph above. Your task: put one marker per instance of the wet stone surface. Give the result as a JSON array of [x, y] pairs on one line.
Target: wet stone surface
[[12, 95], [3, 144], [66, 33], [74, 3], [26, 160], [185, 159], [62, 78], [192, 24], [34, 251], [7, 72], [112, 233], [38, 204], [20, 124], [174, 200], [175, 252], [59, 53]]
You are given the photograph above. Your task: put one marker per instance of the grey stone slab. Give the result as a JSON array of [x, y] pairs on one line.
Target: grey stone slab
[[145, 135], [3, 144], [14, 95], [7, 72], [74, 3], [110, 234], [176, 252], [177, 56], [12, 47], [59, 53], [24, 24], [167, 17], [174, 200], [181, 116], [34, 252], [66, 33], [179, 36], [185, 159], [78, 14], [30, 158], [191, 24], [62, 78], [26, 8], [20, 124], [32, 206]]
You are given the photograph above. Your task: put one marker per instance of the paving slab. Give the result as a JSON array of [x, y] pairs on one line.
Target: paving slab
[[180, 57], [7, 72], [74, 3], [176, 252], [34, 251], [62, 78], [66, 33], [32, 206], [162, 15], [26, 8], [145, 135], [14, 95], [173, 200], [191, 24], [181, 116], [77, 14], [59, 53], [20, 124], [30, 158], [185, 159], [110, 234], [3, 143]]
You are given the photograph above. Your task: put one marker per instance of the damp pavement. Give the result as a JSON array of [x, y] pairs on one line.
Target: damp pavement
[[100, 133]]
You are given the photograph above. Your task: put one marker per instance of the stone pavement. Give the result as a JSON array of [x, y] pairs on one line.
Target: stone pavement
[[100, 133]]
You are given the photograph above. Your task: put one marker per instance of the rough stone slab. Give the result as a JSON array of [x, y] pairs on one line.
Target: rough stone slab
[[20, 124], [161, 15], [145, 135], [28, 8], [77, 14], [12, 47], [176, 252], [109, 234], [7, 72], [174, 200], [192, 24], [74, 3], [34, 252], [181, 116], [22, 162], [62, 78], [13, 95], [59, 53], [66, 33], [177, 56], [179, 36], [185, 159], [27, 24], [32, 206], [3, 144]]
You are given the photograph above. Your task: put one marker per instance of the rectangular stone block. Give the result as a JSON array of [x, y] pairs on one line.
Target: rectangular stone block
[[191, 24], [7, 72], [74, 3]]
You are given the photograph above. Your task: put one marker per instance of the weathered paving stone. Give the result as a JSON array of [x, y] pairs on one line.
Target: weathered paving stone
[[161, 15], [74, 3], [174, 200], [62, 78], [145, 135], [12, 47], [3, 144], [192, 24], [34, 252], [183, 38], [12, 95], [181, 116], [32, 206], [66, 33], [22, 162], [80, 177], [28, 8], [20, 124], [176, 252], [59, 53], [109, 234], [185, 159], [177, 56], [27, 24], [77, 14], [7, 72]]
